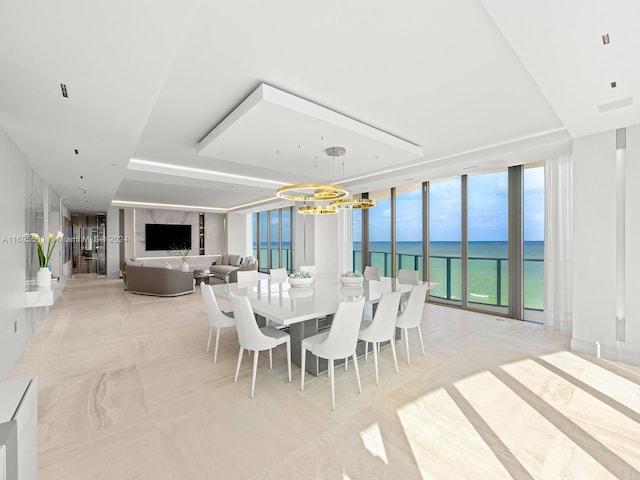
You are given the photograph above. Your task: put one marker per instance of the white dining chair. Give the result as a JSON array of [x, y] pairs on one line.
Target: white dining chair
[[278, 275], [309, 268], [339, 342], [412, 316], [217, 318], [248, 276], [371, 273], [382, 328], [254, 338], [408, 277]]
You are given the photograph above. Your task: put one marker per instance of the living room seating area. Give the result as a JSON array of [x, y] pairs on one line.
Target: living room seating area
[[226, 267], [163, 276]]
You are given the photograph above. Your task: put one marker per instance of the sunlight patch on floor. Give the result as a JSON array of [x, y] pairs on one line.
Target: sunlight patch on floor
[[616, 431], [443, 441], [607, 382], [540, 447], [373, 442]]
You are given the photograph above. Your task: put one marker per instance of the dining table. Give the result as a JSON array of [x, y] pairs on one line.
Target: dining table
[[309, 309]]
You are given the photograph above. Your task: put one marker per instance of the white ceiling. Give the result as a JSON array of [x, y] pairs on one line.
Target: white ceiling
[[473, 83]]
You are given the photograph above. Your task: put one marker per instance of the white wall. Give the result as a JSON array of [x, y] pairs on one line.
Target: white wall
[[239, 234], [317, 239], [214, 234], [594, 270], [632, 307], [28, 205], [12, 253]]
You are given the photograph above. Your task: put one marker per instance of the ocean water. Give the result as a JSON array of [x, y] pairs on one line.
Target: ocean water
[[488, 268]]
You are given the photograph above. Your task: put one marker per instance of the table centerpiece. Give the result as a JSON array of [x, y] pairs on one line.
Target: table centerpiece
[[300, 279], [351, 278]]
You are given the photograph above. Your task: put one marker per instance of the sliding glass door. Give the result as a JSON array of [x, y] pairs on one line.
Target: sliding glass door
[[445, 237], [380, 232], [273, 238], [409, 228], [487, 241], [533, 230]]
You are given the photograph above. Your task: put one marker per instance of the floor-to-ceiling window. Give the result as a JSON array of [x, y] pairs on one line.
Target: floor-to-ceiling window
[[254, 220], [286, 247], [533, 231], [469, 238], [488, 235], [273, 234], [263, 241], [357, 239], [274, 239], [409, 228], [380, 232], [445, 237]]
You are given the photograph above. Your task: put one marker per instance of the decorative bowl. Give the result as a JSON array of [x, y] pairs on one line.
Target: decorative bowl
[[300, 282], [355, 281]]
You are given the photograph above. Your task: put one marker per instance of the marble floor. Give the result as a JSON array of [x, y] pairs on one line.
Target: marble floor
[[127, 391]]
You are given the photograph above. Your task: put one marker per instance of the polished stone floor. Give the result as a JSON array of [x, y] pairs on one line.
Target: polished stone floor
[[127, 391]]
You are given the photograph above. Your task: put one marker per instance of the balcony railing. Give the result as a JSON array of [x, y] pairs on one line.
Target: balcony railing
[[488, 278], [274, 255]]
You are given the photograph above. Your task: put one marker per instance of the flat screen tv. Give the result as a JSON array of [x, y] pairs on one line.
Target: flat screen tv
[[167, 236]]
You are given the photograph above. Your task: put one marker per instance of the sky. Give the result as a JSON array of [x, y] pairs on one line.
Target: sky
[[488, 204], [487, 212]]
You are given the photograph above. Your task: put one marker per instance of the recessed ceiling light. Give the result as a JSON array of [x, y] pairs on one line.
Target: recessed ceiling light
[[76, 150], [605, 39], [469, 168], [613, 85], [409, 179], [63, 87]]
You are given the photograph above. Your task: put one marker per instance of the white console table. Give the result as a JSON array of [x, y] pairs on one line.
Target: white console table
[[42, 296]]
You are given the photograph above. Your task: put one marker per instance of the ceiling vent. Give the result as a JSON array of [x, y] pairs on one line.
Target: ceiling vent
[[625, 102]]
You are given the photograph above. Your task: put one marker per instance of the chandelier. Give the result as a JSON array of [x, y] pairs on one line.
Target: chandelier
[[323, 192]]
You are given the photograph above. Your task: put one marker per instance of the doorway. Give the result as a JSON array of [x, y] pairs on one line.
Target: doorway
[[89, 252]]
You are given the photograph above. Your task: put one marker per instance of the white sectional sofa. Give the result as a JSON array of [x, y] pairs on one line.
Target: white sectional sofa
[[226, 267]]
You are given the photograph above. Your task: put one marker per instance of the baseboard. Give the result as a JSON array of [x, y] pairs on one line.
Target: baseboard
[[616, 353]]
